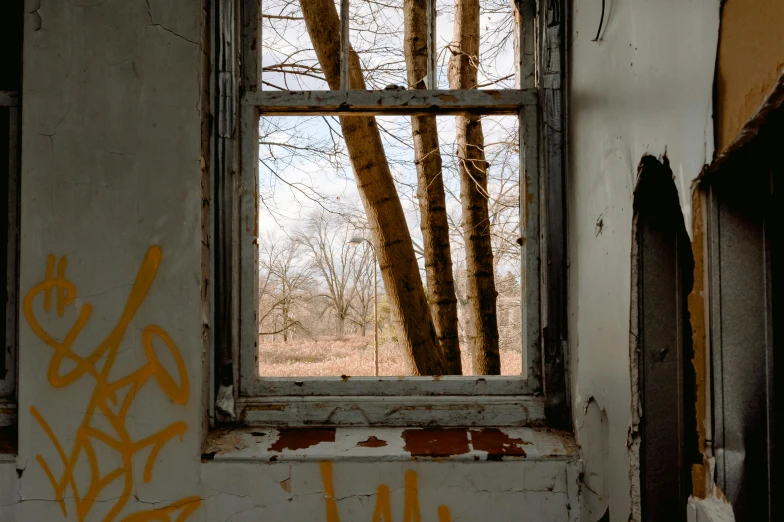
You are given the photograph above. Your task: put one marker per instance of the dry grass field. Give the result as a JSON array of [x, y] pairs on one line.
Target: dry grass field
[[349, 355]]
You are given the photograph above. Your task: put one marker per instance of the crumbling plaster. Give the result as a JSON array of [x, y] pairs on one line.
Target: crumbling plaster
[[645, 86]]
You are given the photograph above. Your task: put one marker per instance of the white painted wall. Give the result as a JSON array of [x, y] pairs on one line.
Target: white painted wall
[[644, 87]]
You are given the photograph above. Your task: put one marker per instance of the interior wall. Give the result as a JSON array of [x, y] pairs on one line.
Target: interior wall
[[110, 321], [111, 352], [645, 86], [750, 61]]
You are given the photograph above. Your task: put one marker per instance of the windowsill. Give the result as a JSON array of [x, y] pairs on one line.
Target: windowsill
[[368, 444]]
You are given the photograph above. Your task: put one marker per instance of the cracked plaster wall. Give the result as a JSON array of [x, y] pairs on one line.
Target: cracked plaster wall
[[110, 168], [645, 86], [111, 209]]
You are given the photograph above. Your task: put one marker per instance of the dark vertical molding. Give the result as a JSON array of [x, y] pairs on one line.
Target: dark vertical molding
[[552, 83]]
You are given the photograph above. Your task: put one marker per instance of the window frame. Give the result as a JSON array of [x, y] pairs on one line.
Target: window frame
[[289, 401], [10, 102]]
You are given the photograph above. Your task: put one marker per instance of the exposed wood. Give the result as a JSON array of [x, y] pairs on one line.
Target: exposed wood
[[246, 252], [434, 222], [251, 44], [529, 202], [390, 386], [482, 324], [249, 249], [555, 332], [391, 238], [345, 46], [756, 124], [392, 411], [8, 356], [207, 108], [431, 81], [389, 103], [9, 98]]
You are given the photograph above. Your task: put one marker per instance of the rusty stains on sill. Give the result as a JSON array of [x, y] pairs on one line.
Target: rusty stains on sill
[[345, 378], [435, 442], [372, 442], [302, 438], [497, 443]]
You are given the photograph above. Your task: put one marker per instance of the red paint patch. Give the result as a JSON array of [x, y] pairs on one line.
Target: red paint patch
[[497, 443], [429, 442], [372, 442], [302, 438]]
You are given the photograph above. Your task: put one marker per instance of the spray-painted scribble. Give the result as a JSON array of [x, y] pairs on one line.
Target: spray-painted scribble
[[383, 510], [105, 396]]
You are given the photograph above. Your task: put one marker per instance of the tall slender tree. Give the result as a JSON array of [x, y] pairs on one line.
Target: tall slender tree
[[391, 238], [430, 193], [481, 293]]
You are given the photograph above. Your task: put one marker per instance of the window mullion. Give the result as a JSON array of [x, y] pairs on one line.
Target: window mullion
[[345, 73], [529, 199], [431, 45]]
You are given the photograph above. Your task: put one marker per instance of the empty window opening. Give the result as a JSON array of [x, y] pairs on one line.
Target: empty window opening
[[319, 304]]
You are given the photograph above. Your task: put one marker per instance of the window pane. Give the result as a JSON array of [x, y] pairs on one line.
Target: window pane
[[377, 34], [288, 58], [316, 284], [497, 64]]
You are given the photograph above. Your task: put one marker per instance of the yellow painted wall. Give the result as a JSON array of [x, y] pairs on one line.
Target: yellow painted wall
[[751, 58]]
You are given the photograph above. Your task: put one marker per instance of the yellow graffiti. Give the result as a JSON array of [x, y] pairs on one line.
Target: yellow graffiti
[[383, 510], [105, 393]]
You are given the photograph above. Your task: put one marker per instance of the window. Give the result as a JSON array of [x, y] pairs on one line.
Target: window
[[346, 73], [10, 86]]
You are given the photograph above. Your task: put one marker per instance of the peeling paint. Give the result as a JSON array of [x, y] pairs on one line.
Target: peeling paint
[[302, 438], [696, 304], [372, 442], [496, 442], [435, 442]]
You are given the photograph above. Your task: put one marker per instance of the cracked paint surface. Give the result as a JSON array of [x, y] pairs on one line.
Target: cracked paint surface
[[111, 399]]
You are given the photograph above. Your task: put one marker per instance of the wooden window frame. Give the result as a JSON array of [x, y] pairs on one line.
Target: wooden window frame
[[10, 104], [240, 393]]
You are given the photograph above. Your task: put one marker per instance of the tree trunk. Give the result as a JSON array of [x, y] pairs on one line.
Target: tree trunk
[[415, 332], [483, 327], [432, 201]]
